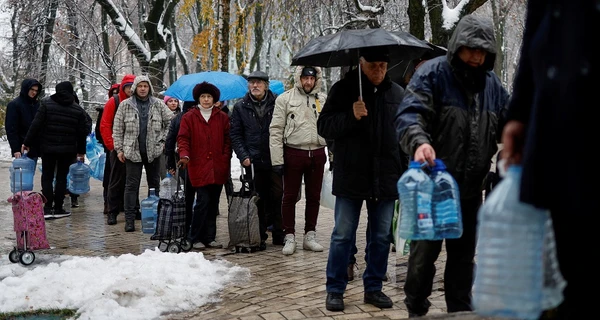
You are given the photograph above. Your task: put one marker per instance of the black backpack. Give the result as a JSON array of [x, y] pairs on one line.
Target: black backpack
[[100, 112]]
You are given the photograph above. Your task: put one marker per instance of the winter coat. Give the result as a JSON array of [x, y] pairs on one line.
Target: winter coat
[[208, 146], [295, 117], [60, 127], [108, 114], [171, 140], [19, 115], [463, 127], [367, 157], [126, 127], [249, 133], [554, 95]]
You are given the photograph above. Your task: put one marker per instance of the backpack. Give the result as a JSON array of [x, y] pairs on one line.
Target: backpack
[[100, 112]]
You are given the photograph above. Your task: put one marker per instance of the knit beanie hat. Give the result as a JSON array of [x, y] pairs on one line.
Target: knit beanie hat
[[206, 87], [167, 98]]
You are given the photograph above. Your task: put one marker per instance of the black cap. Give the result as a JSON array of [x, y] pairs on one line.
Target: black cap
[[373, 54], [259, 75], [309, 71]]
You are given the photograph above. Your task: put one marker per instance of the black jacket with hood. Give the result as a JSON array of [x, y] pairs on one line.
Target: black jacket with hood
[[60, 125], [368, 160], [460, 111], [19, 116]]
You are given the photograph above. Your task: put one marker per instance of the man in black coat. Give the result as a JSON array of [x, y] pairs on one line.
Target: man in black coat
[[552, 132], [367, 167], [19, 115], [60, 126]]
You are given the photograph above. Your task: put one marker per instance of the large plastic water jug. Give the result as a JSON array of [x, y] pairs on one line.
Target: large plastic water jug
[[511, 234], [22, 171], [149, 212], [168, 187], [97, 165], [415, 189], [445, 203], [79, 177]]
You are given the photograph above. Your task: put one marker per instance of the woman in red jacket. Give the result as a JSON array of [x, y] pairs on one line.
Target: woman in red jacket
[[205, 148]]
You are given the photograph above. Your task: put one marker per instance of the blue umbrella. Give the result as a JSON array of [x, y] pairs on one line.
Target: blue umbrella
[[232, 86], [276, 86]]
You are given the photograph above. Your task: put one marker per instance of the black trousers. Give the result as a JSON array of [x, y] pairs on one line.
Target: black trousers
[[55, 163], [132, 183], [203, 227], [116, 183], [269, 187], [458, 276]]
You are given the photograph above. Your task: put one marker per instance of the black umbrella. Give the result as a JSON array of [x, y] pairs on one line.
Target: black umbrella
[[398, 71], [343, 48]]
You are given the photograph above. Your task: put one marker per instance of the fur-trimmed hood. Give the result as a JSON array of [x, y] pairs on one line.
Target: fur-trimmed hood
[[318, 82]]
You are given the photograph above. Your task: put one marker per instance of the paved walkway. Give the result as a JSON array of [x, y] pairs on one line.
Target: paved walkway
[[281, 287]]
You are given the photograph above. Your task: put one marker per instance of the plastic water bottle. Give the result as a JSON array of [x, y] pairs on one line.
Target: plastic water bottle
[[149, 212], [168, 187], [79, 177], [445, 203], [415, 189], [22, 171], [511, 234]]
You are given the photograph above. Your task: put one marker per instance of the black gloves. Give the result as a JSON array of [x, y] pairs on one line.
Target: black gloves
[[278, 170]]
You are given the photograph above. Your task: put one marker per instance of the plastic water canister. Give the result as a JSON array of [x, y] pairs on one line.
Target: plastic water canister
[[148, 207], [511, 234], [415, 189], [168, 187], [445, 203], [79, 177], [22, 171]]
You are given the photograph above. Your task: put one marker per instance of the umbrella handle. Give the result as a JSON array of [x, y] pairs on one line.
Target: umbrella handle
[[359, 82]]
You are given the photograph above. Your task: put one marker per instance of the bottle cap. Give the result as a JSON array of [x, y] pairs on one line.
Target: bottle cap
[[439, 165], [414, 165]]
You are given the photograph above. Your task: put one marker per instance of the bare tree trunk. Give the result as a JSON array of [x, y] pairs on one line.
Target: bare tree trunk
[[258, 37], [416, 15], [48, 33], [224, 43], [112, 73]]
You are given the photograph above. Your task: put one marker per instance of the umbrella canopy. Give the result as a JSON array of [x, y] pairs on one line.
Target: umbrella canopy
[[343, 48], [232, 86], [397, 72], [276, 86]]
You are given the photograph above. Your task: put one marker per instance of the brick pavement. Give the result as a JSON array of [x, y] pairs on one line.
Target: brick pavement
[[281, 287]]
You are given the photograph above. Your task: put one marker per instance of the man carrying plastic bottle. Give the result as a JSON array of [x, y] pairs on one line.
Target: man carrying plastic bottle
[[454, 110]]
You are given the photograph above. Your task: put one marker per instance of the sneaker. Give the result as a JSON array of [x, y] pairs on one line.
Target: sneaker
[[378, 299], [334, 301], [60, 213], [214, 244], [48, 213], [289, 246], [111, 218], [310, 242], [199, 246], [74, 203], [129, 225]]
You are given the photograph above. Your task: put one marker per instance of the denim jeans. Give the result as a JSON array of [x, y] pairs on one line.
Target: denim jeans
[[379, 237]]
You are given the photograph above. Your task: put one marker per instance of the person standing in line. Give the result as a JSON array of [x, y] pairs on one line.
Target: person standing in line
[[116, 176], [454, 110], [88, 126], [250, 120], [204, 147], [367, 166], [173, 104], [19, 115], [140, 128], [60, 127], [550, 111], [297, 152]]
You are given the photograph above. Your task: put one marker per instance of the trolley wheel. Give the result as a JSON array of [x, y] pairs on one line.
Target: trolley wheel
[[174, 247], [186, 245], [13, 256], [163, 246], [27, 258]]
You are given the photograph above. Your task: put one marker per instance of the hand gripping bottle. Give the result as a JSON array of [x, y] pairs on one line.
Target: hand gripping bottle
[[21, 173], [149, 213], [445, 203], [415, 190]]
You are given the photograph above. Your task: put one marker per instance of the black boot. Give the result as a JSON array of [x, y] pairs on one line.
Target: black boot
[[378, 299], [129, 225], [334, 301], [111, 218]]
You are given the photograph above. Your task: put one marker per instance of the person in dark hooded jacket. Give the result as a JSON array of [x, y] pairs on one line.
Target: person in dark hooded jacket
[[19, 115], [60, 126], [453, 110]]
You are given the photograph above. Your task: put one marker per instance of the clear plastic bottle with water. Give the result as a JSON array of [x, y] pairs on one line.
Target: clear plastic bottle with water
[[168, 187], [79, 177], [22, 171], [511, 234], [149, 208], [415, 190], [445, 203]]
